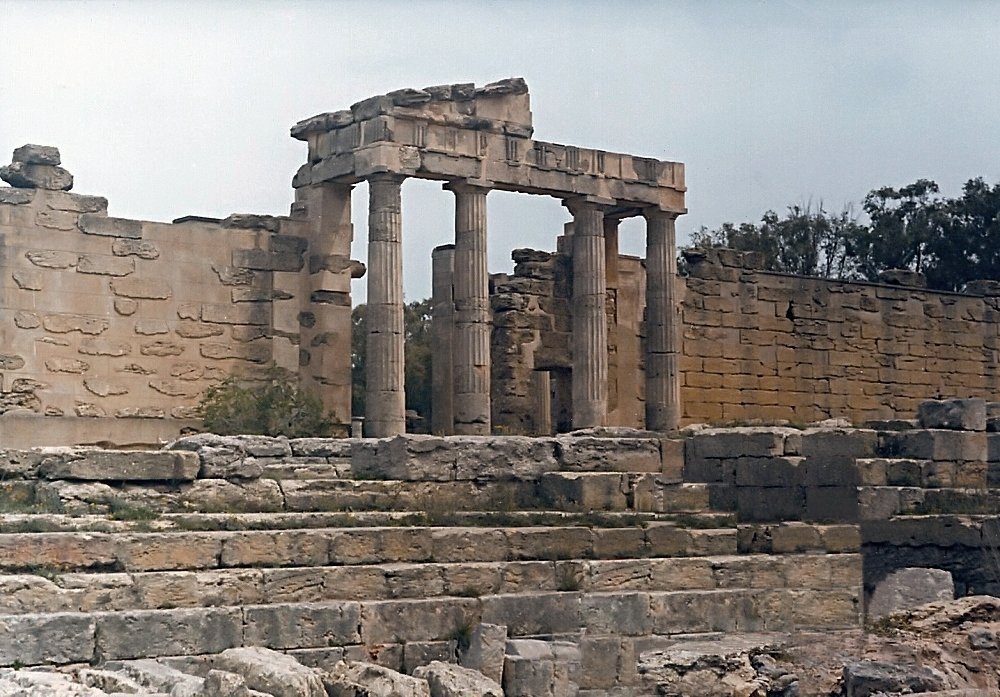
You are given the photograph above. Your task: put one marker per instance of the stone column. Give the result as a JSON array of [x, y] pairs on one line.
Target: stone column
[[590, 323], [611, 276], [542, 387], [385, 399], [663, 392], [472, 311], [442, 336]]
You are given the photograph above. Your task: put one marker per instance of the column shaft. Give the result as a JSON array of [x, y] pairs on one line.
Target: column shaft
[[590, 323], [472, 312], [442, 340], [385, 399], [663, 395]]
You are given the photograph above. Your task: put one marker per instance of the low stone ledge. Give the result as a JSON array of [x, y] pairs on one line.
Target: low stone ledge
[[117, 465]]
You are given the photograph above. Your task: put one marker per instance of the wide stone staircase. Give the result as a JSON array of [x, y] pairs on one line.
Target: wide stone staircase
[[550, 564]]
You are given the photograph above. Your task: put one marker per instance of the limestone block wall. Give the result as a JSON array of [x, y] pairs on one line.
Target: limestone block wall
[[112, 328], [532, 325], [760, 345], [756, 345]]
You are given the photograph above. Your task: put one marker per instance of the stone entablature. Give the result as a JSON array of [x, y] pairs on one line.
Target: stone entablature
[[458, 132]]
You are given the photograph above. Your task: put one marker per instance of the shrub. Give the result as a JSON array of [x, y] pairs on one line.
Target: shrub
[[270, 406]]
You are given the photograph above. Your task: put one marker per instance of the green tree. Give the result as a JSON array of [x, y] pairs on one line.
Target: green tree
[[416, 326], [904, 225], [805, 242], [967, 246], [271, 405], [950, 241]]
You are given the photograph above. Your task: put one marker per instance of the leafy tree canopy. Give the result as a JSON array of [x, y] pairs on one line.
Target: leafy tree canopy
[[950, 240], [417, 337]]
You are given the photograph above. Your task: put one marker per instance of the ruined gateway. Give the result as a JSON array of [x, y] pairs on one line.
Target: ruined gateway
[[624, 558]]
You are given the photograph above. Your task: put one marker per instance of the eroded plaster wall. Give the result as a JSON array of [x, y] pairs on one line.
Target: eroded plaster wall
[[114, 327]]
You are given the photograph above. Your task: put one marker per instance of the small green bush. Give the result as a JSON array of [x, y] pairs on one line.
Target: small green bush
[[271, 406]]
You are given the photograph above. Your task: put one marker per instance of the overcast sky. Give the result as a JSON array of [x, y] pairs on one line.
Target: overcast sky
[[178, 108]]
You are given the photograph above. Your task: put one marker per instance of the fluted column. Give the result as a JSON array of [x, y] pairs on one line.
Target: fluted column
[[590, 323], [663, 392], [472, 311], [442, 338], [385, 399]]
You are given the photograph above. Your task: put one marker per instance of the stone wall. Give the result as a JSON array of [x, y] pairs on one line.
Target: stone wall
[[112, 328], [531, 337], [761, 345]]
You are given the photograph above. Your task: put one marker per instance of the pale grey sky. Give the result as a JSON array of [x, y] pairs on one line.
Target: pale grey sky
[[176, 108]]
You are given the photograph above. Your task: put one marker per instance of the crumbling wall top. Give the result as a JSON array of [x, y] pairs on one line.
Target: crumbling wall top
[[483, 135], [500, 107]]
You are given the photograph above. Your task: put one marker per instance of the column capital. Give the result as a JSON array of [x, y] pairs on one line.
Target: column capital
[[651, 212], [460, 186], [583, 203], [388, 177]]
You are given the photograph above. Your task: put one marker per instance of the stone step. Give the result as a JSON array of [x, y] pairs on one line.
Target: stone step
[[910, 472], [562, 491], [140, 520], [72, 637], [882, 502], [91, 592], [163, 551]]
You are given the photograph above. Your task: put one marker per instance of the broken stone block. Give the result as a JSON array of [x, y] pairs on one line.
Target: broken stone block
[[903, 277], [271, 672], [869, 678], [358, 679], [485, 652], [449, 680], [29, 176], [119, 465], [250, 221], [221, 683], [37, 155], [163, 678], [908, 588], [953, 414]]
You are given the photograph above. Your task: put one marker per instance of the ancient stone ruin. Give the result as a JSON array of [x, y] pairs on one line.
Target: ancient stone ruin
[[594, 549]]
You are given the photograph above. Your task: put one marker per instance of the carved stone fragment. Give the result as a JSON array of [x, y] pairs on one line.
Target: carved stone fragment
[[143, 288], [66, 323], [127, 247]]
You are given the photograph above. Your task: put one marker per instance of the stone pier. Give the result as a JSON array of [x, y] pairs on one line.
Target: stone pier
[[385, 397], [472, 312]]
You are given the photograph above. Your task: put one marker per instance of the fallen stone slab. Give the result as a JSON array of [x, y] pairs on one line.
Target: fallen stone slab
[[271, 672], [38, 683], [868, 678], [449, 680], [909, 588], [953, 414], [32, 176], [359, 679], [37, 155]]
